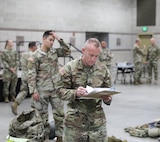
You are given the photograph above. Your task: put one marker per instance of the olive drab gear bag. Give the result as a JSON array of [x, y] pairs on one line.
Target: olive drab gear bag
[[114, 139], [29, 125]]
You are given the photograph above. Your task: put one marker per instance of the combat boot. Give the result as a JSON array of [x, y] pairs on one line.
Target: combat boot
[[140, 82], [149, 81], [155, 82], [6, 100], [13, 98], [59, 139], [14, 107]]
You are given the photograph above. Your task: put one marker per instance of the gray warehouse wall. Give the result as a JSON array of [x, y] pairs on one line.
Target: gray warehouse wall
[[70, 15], [30, 18]]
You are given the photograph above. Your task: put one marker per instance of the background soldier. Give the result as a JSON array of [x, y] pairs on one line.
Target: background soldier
[[24, 86], [152, 58], [43, 68], [85, 119], [10, 63], [106, 55], [137, 55]]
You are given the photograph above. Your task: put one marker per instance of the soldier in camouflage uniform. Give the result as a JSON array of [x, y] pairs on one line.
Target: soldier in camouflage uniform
[[10, 63], [24, 86], [85, 120], [42, 71], [137, 55], [152, 58], [105, 55]]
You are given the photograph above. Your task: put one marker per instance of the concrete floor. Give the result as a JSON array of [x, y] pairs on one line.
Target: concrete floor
[[136, 105]]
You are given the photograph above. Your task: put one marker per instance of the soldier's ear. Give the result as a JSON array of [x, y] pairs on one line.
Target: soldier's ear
[[83, 49]]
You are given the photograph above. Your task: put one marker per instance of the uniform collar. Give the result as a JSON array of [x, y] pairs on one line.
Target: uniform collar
[[41, 51], [81, 66]]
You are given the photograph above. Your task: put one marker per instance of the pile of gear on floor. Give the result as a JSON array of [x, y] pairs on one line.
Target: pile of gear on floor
[[28, 126], [151, 130], [114, 139]]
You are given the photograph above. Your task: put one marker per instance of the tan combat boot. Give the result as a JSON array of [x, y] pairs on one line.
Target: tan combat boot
[[59, 139], [13, 98], [140, 82], [14, 107], [155, 82], [136, 83], [6, 100]]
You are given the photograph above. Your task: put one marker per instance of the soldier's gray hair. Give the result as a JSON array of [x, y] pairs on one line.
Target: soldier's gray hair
[[137, 40], [96, 42]]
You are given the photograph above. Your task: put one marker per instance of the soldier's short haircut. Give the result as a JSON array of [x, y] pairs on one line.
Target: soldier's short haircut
[[96, 42], [47, 33], [32, 44], [137, 40]]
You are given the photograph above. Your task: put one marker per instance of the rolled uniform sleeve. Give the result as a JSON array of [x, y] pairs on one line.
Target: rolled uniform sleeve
[[107, 79], [4, 61], [64, 50], [107, 84], [64, 84], [32, 74]]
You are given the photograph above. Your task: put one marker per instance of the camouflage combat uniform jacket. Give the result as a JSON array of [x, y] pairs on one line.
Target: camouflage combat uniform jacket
[[105, 56], [138, 57], [10, 60], [138, 54], [42, 70], [153, 54], [152, 58], [24, 77], [43, 67], [83, 114], [24, 64]]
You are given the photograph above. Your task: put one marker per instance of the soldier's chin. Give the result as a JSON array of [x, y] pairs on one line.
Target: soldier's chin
[[91, 64]]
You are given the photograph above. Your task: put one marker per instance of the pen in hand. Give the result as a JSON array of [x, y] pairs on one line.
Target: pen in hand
[[81, 91]]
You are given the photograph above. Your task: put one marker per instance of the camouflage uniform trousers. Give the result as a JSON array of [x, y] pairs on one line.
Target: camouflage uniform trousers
[[79, 129], [153, 65], [9, 84], [57, 105], [109, 67], [138, 71], [23, 92]]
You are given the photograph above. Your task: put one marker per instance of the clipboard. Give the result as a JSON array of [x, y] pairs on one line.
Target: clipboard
[[97, 93]]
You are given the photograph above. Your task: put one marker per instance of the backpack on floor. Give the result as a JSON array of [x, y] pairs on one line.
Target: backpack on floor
[[28, 125]]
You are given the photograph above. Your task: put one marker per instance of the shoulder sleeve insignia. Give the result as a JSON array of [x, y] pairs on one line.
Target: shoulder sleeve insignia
[[62, 71]]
